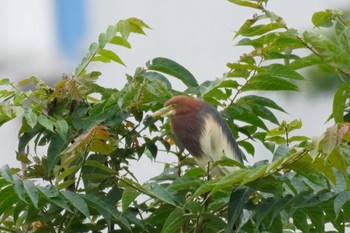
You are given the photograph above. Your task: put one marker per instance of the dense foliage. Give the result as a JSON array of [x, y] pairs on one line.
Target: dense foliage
[[90, 134]]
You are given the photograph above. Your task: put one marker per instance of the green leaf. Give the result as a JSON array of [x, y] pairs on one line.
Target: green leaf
[[46, 122], [316, 215], [27, 136], [340, 200], [300, 220], [95, 171], [322, 18], [56, 146], [32, 79], [236, 204], [265, 113], [245, 26], [111, 55], [107, 210], [102, 41], [99, 166], [233, 178], [280, 152], [267, 83], [246, 3], [342, 31], [125, 27], [62, 128], [260, 100], [94, 47], [5, 172], [262, 29], [101, 59], [174, 221], [280, 70], [310, 60], [254, 174], [110, 32], [154, 75], [5, 81], [19, 188], [277, 139], [338, 161], [298, 138], [160, 192], [105, 38], [247, 146], [340, 101], [8, 200], [51, 194], [32, 192], [330, 51], [67, 172], [117, 40], [330, 140], [294, 124], [129, 195], [31, 118], [172, 68], [240, 113], [263, 211], [77, 201], [205, 187]]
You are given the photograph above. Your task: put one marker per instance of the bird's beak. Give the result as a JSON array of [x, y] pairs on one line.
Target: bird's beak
[[164, 112]]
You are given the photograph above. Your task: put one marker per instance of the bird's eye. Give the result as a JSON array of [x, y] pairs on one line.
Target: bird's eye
[[172, 106]]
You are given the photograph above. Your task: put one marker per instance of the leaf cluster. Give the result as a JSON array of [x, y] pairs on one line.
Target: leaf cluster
[[90, 134]]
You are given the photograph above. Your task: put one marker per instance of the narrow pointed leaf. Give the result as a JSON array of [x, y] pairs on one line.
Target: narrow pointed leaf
[[174, 221], [19, 188], [5, 172], [77, 201], [329, 142], [340, 200], [129, 195], [107, 210], [300, 220], [117, 40], [62, 128], [172, 68], [31, 191], [31, 118], [236, 204], [246, 3], [46, 122], [340, 100], [280, 70], [267, 83], [161, 193], [111, 55], [322, 18]]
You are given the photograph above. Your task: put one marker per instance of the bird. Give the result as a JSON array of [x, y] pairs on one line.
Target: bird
[[202, 131]]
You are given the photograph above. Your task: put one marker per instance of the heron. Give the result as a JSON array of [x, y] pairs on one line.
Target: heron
[[202, 131]]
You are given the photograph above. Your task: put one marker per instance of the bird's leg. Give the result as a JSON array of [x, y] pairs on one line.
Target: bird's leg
[[208, 171]]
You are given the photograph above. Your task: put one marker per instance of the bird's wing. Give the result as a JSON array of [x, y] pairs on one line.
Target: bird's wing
[[216, 144]]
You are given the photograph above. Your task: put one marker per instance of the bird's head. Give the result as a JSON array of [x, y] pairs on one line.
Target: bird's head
[[178, 105]]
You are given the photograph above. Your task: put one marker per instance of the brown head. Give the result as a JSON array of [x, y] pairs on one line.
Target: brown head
[[183, 105]]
